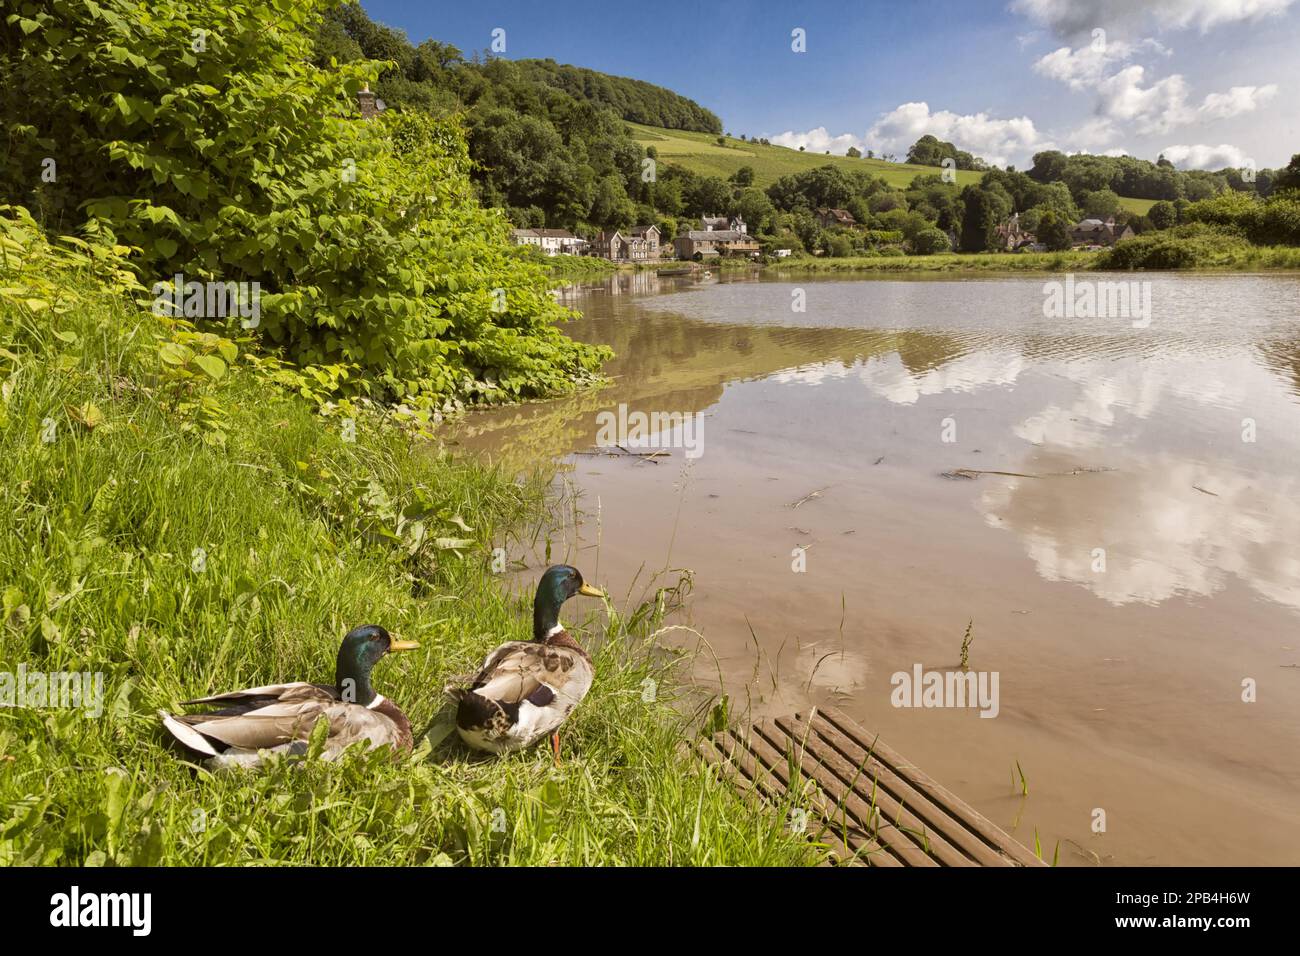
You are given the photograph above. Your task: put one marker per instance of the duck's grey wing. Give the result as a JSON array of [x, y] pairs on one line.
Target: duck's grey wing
[[256, 718]]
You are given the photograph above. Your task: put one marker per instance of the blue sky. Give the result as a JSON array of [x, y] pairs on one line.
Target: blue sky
[[1209, 82]]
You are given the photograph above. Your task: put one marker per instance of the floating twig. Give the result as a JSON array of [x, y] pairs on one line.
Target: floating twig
[[809, 497], [972, 473]]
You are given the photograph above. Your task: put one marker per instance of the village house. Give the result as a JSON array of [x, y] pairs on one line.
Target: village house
[[649, 235], [369, 104], [835, 217], [1095, 232], [552, 242], [699, 243], [1012, 236], [609, 245], [637, 244], [723, 224]]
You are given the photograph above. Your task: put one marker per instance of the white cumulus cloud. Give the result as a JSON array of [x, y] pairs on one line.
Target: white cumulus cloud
[[818, 141], [1088, 65], [1201, 156], [1073, 18], [997, 140], [1160, 105], [1238, 100]]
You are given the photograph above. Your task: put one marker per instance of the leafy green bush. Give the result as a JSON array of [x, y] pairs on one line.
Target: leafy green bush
[[1184, 247], [1229, 208], [1278, 222], [199, 132], [930, 241], [1275, 221]]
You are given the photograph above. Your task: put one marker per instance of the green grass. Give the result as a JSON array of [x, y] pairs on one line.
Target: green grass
[[573, 268], [1139, 206], [302, 536], [943, 262], [1221, 255], [700, 153]]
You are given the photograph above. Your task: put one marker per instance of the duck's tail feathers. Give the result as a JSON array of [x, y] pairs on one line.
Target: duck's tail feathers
[[187, 735], [458, 686], [474, 710]]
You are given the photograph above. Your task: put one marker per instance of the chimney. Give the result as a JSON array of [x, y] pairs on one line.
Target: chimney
[[367, 101]]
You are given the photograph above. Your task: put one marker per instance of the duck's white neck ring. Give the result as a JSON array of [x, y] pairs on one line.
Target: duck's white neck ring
[[555, 630], [379, 699]]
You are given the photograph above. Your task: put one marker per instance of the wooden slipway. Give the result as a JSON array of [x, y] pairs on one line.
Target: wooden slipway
[[861, 798]]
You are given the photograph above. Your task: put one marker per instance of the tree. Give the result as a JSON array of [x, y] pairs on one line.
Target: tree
[[979, 219], [1163, 215], [1049, 166], [1053, 232], [612, 209], [1053, 196], [707, 196], [755, 208], [367, 241], [931, 151], [744, 176], [886, 201], [853, 153], [837, 245], [1099, 204], [824, 186], [929, 241], [1289, 176]]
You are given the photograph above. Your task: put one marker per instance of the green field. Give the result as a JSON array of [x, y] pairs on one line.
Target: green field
[[700, 153], [1139, 206]]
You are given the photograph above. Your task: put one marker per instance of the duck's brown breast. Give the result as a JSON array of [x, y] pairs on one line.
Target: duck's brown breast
[[394, 713]]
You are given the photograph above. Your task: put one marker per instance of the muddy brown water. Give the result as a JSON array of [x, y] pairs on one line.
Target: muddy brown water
[[1130, 583]]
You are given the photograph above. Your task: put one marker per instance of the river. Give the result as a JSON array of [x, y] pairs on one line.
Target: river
[[1131, 577]]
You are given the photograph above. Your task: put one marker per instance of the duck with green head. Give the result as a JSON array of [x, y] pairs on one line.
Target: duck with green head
[[279, 718], [526, 689]]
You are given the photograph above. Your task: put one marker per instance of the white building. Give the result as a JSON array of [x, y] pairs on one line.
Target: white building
[[552, 242]]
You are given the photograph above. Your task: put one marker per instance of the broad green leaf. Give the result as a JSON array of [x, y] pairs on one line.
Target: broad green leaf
[[174, 353], [213, 366]]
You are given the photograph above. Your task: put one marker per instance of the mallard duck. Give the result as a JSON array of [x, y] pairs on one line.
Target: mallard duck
[[526, 689], [279, 717]]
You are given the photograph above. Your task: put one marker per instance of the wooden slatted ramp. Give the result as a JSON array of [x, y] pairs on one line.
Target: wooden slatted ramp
[[863, 799]]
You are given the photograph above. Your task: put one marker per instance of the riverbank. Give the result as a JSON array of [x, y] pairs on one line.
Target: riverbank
[[180, 520], [1226, 257], [1169, 256], [907, 464]]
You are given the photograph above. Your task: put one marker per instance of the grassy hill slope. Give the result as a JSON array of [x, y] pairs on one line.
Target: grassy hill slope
[[700, 153]]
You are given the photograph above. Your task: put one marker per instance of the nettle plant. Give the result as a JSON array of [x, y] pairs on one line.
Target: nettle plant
[[200, 132]]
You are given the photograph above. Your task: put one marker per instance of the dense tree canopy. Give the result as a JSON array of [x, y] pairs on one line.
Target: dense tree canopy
[[238, 160], [931, 151], [548, 141]]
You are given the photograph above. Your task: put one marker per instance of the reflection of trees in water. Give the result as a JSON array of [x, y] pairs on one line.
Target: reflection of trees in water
[[672, 363], [671, 345], [1283, 357]]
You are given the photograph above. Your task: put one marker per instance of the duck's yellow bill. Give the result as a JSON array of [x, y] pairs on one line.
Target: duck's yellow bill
[[588, 590], [403, 645]]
